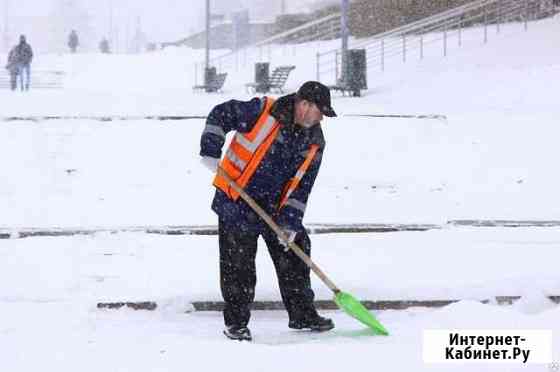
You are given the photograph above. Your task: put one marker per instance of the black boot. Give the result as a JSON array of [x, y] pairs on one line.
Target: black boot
[[316, 324], [238, 333]]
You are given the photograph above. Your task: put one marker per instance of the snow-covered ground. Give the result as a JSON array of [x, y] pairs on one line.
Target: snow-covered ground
[[49, 288], [73, 337], [493, 158], [80, 173], [457, 263]]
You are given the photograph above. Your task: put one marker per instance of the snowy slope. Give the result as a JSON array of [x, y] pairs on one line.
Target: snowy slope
[[488, 160]]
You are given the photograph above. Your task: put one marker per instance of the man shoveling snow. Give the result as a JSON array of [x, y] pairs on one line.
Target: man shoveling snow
[[274, 157]]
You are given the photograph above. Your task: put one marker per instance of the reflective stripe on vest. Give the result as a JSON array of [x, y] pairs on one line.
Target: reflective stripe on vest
[[246, 151], [294, 182]]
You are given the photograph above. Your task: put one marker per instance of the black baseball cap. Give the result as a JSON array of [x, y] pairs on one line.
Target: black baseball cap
[[319, 94]]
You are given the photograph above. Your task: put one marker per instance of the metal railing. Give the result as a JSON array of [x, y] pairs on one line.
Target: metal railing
[[442, 27], [324, 28]]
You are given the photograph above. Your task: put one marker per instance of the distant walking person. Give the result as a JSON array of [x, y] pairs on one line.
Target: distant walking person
[[12, 68], [104, 46], [73, 41], [19, 64]]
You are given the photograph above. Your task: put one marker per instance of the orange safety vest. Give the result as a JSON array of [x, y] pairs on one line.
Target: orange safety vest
[[247, 150]]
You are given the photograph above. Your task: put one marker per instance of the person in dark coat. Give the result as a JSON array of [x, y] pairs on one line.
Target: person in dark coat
[[297, 118], [13, 68], [73, 41], [25, 56], [19, 63], [104, 46]]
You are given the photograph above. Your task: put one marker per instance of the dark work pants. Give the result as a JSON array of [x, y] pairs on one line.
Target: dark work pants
[[238, 248]]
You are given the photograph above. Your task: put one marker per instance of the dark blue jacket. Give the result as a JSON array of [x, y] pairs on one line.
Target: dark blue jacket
[[23, 53], [278, 166]]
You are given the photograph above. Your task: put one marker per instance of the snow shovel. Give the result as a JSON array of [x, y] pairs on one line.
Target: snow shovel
[[344, 300]]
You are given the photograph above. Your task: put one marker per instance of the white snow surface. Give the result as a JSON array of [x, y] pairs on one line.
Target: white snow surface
[[50, 286], [492, 158]]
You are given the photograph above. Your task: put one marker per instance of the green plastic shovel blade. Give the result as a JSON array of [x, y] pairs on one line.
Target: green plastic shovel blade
[[355, 309]]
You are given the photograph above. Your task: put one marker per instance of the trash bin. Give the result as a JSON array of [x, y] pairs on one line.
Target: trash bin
[[209, 78], [356, 78], [209, 75], [261, 76]]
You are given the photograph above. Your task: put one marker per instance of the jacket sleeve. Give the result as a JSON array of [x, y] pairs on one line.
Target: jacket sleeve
[[291, 215], [229, 116]]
